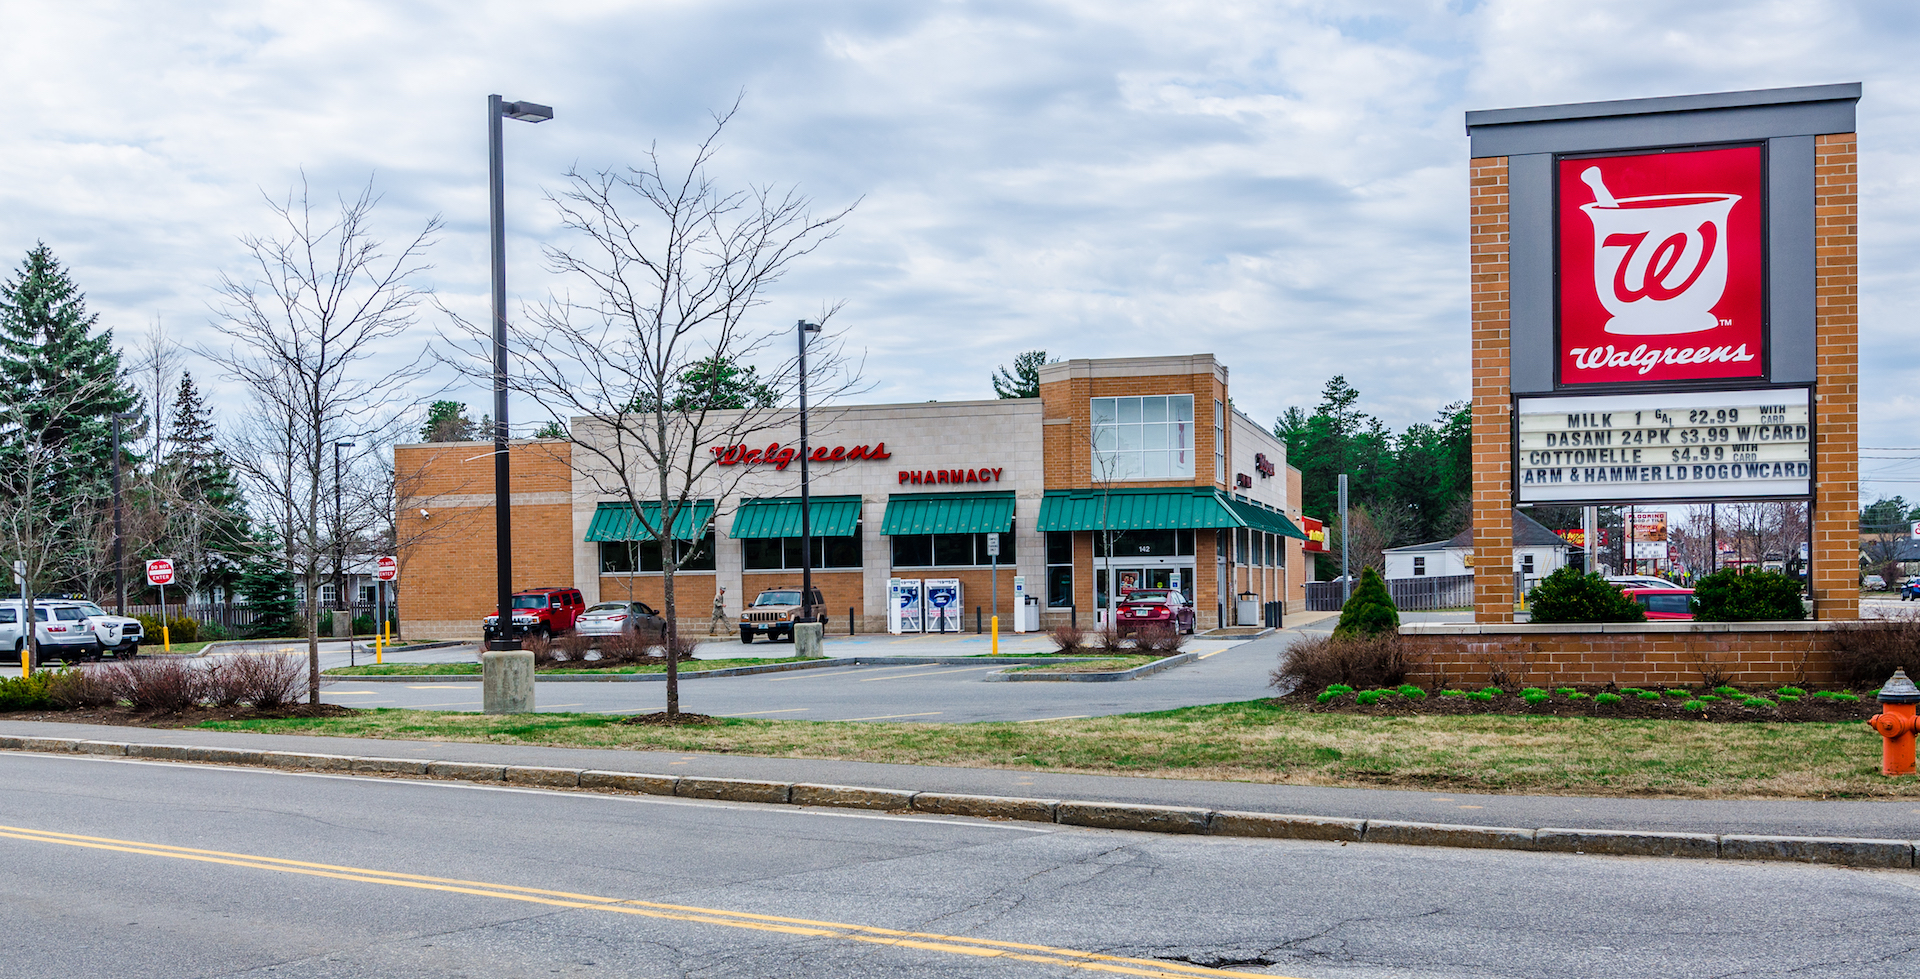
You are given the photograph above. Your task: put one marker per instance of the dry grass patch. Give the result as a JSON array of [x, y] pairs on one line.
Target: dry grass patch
[[1256, 741]]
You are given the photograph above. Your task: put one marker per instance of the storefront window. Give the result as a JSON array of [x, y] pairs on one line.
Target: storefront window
[[1059, 570], [1145, 543], [1147, 437], [627, 557], [948, 550], [783, 553], [1219, 442]]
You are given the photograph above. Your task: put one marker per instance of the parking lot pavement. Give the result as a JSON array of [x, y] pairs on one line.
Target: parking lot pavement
[[1226, 671]]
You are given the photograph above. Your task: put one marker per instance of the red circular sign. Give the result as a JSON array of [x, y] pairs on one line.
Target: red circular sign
[[160, 571], [386, 569]]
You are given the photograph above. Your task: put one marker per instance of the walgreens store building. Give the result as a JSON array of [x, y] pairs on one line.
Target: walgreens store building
[[1191, 492]]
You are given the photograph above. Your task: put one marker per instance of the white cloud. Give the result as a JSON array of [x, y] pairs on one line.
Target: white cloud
[[1282, 184]]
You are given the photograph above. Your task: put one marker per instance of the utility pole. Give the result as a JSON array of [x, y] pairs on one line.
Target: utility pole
[[801, 329], [119, 508], [1346, 580]]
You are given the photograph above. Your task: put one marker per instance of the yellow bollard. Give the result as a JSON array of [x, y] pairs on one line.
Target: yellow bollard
[[26, 659], [166, 638], [380, 645], [996, 635]]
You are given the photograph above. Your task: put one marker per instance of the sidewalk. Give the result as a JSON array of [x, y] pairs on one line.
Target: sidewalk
[[1897, 820]]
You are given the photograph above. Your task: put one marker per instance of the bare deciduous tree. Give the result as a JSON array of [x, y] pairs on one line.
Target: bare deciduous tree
[[672, 272], [312, 325]]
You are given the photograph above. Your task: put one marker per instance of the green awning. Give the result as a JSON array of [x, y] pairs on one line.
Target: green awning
[[1198, 508], [1154, 509], [830, 516], [1269, 521], [948, 513], [615, 521]]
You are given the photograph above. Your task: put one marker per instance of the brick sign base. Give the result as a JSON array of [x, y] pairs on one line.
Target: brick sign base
[[1651, 655]]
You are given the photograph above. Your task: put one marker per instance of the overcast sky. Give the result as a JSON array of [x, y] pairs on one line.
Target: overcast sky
[[1280, 184]]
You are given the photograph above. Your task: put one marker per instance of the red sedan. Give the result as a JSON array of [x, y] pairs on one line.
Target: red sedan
[[1149, 607], [1663, 603]]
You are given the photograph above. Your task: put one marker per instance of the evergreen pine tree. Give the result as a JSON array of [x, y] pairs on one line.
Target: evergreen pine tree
[[1369, 611], [62, 384], [209, 525], [267, 585]]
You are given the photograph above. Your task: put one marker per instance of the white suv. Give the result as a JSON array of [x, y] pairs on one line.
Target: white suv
[[112, 633], [60, 626]]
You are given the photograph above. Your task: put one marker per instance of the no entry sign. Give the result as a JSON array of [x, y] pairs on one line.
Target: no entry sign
[[160, 571], [386, 568]]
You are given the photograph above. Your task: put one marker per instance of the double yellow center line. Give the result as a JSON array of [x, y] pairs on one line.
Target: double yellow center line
[[923, 941]]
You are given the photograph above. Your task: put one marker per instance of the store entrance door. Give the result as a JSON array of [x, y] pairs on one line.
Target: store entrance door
[[1131, 579]]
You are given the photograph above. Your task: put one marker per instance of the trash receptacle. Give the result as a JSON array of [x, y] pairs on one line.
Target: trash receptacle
[[1247, 609]]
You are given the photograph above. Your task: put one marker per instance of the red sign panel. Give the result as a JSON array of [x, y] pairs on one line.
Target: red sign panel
[[386, 568], [1662, 270], [160, 571], [1316, 542]]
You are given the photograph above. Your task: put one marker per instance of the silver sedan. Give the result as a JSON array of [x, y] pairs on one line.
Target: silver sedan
[[636, 619]]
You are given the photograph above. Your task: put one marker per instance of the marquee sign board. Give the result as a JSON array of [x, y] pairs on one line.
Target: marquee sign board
[[1700, 445]]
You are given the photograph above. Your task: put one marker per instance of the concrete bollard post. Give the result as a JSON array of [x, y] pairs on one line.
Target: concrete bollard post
[[809, 639], [506, 680]]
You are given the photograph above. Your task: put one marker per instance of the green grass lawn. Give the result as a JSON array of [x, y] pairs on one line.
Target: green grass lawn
[[1255, 741], [473, 669]]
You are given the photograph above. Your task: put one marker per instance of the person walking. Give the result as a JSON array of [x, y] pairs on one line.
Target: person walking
[[719, 626]]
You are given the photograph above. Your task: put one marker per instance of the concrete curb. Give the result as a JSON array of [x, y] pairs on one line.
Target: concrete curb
[[233, 645], [1145, 669], [1100, 815]]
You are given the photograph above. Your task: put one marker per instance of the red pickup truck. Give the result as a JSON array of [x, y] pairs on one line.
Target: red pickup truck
[[540, 612]]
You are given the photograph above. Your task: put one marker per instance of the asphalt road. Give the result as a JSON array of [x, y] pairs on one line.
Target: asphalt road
[[129, 869], [944, 693]]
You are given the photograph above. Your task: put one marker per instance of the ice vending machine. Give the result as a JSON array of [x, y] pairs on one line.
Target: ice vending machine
[[905, 610], [944, 604]]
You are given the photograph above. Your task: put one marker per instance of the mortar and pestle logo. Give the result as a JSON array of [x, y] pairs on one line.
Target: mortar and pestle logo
[[1660, 261]]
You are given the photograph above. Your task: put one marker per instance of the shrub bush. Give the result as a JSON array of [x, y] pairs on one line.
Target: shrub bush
[[1365, 697], [1866, 653], [265, 682], [167, 684], [76, 689], [1606, 698], [1747, 595], [680, 646], [363, 625], [574, 646], [214, 631], [26, 692], [544, 650], [1108, 640], [1066, 638], [1369, 611], [1158, 641], [1312, 663], [1569, 596]]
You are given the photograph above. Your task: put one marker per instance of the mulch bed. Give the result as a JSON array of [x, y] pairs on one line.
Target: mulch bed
[[1631, 707], [682, 719], [129, 717]]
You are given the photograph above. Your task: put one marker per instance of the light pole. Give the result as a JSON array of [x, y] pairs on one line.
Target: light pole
[[119, 546], [339, 539], [497, 109], [801, 329]]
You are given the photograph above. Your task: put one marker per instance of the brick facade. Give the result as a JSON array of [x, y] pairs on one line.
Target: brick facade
[[1650, 655], [1493, 593], [1836, 412], [447, 569]]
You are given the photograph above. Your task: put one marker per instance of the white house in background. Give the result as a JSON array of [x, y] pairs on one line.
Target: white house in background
[[1537, 552]]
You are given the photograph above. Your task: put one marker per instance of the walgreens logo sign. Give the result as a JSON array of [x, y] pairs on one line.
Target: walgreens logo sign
[[1661, 269], [781, 456]]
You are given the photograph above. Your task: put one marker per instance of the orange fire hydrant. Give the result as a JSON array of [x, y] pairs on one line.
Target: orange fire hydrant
[[1897, 724]]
